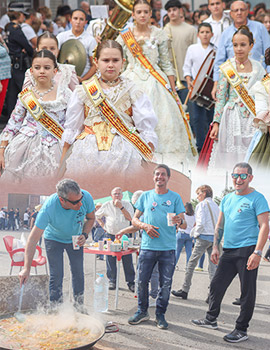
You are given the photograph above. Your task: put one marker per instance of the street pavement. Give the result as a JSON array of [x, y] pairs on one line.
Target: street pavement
[[181, 333]]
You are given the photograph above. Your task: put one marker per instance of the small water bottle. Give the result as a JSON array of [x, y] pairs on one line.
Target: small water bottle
[[101, 293]]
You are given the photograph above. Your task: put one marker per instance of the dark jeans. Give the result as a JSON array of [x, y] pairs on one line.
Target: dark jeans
[[201, 121], [55, 252], [233, 262], [127, 265], [166, 264]]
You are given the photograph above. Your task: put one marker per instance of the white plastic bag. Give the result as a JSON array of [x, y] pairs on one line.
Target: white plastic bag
[[19, 243]]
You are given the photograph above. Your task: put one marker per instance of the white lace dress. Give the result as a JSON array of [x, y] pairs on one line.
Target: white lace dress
[[86, 158], [174, 148], [32, 152], [235, 122]]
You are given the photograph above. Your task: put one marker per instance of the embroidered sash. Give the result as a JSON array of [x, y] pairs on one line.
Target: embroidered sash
[[266, 83], [112, 117], [137, 53], [46, 121], [239, 87]]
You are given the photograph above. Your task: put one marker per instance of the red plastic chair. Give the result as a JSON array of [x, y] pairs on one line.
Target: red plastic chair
[[39, 261]]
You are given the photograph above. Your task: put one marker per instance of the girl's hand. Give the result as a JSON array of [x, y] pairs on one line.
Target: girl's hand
[[214, 132], [151, 146]]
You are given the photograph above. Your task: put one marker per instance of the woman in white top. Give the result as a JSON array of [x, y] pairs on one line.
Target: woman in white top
[[183, 238]]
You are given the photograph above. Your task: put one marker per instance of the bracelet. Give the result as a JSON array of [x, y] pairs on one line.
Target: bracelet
[[85, 235], [122, 208]]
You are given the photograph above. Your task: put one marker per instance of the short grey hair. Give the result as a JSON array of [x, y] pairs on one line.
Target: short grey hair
[[65, 186], [116, 188], [136, 195]]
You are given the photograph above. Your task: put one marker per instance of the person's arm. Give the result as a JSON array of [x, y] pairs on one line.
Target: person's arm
[[254, 259], [222, 97], [151, 230], [126, 230], [219, 230], [33, 41], [90, 220], [91, 71], [21, 40], [124, 211], [30, 249]]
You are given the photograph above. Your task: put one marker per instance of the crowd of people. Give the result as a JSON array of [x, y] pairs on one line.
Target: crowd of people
[[241, 222], [61, 129]]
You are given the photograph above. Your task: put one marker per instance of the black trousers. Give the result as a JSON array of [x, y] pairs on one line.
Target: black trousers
[[233, 262], [14, 88]]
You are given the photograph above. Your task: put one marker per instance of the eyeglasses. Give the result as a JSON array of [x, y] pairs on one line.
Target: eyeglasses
[[239, 10], [74, 202], [242, 176]]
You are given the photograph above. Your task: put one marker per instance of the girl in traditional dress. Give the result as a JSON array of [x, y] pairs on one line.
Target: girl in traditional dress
[[104, 117], [232, 124], [259, 150], [174, 145], [66, 73], [30, 144]]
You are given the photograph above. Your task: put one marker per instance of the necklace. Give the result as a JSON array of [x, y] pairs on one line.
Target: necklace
[[110, 83], [41, 94], [241, 64]]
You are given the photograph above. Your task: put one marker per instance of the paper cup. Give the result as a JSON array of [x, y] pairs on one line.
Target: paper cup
[[101, 245], [109, 243], [125, 245], [169, 219], [131, 241], [75, 244]]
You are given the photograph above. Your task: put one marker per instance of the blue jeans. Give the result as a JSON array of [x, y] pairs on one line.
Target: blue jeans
[[166, 264], [55, 252], [201, 121], [183, 240], [127, 265], [154, 282]]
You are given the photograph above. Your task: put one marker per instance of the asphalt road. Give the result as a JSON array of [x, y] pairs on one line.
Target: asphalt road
[[181, 334]]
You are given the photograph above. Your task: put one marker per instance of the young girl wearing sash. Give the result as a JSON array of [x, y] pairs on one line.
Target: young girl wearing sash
[[66, 74], [152, 71], [30, 146], [234, 110], [110, 122], [259, 150]]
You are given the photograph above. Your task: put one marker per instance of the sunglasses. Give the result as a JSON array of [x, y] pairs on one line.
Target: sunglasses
[[242, 176], [74, 202]]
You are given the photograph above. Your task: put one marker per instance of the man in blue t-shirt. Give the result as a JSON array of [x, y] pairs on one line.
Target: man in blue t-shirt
[[244, 221], [66, 213], [158, 243]]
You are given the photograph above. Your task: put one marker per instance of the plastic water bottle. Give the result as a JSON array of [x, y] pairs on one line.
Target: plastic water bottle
[[101, 293]]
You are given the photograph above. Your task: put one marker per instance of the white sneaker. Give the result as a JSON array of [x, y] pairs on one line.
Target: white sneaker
[[152, 302]]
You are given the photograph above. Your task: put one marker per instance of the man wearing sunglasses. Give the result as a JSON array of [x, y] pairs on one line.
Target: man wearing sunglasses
[[66, 213], [243, 220]]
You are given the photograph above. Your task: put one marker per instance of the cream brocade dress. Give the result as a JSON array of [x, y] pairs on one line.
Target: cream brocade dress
[[173, 144], [32, 151], [121, 157]]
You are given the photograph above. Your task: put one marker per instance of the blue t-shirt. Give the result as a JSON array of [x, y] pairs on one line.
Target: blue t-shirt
[[61, 224], [155, 208], [241, 224]]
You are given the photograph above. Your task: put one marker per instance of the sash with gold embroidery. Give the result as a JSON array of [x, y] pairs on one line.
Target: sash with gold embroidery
[[137, 53], [46, 121], [266, 83], [238, 85], [113, 119]]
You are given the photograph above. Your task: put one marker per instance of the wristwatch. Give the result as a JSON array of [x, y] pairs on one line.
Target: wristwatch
[[257, 252], [85, 235], [122, 208]]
